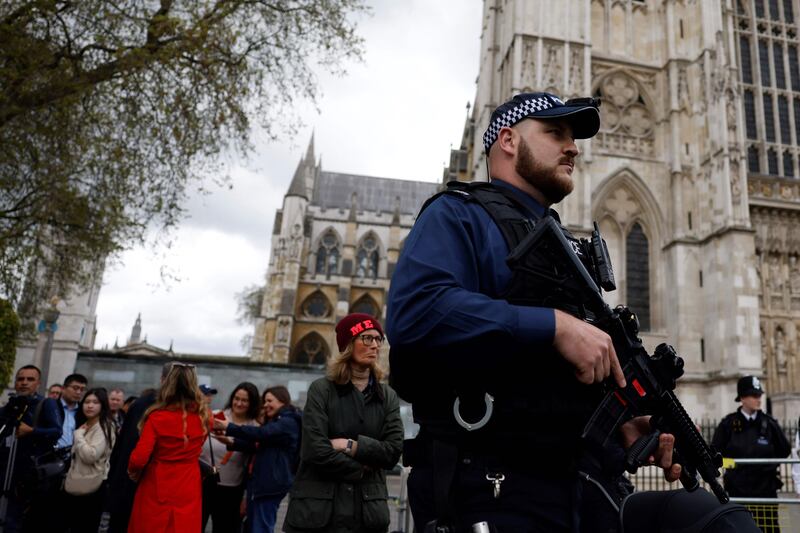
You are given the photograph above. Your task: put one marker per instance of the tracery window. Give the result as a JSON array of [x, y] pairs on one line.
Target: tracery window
[[637, 271], [365, 304], [328, 254], [311, 350], [367, 257], [316, 305], [769, 36], [626, 122]]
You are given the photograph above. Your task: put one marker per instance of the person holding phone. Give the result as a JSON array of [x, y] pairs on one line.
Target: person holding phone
[[275, 447], [222, 499]]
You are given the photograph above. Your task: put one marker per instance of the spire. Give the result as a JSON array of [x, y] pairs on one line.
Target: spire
[[136, 331], [353, 206], [305, 168], [310, 150], [396, 214]]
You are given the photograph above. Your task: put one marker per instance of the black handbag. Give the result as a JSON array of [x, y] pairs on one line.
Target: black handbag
[[209, 473], [48, 471]]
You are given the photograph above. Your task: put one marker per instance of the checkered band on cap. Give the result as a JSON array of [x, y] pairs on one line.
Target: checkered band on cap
[[524, 109]]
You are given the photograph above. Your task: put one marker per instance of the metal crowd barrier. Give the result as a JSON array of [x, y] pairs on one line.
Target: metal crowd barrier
[[772, 515]]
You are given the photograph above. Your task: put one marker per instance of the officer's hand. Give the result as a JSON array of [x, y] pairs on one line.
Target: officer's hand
[[638, 427], [24, 430], [588, 349]]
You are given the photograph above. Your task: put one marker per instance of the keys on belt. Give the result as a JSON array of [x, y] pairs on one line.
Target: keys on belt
[[496, 479]]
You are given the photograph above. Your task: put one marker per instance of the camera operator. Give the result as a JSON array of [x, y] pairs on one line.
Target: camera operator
[[33, 427]]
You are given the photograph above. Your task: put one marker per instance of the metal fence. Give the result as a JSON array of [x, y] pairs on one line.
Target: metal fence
[[652, 478]]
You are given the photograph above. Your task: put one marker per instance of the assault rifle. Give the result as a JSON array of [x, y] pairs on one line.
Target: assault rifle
[[573, 270]]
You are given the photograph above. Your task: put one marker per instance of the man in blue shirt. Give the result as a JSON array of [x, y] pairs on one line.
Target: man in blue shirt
[[33, 428], [501, 390], [71, 394]]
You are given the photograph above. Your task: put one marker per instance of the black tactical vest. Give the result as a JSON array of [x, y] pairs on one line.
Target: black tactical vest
[[540, 408]]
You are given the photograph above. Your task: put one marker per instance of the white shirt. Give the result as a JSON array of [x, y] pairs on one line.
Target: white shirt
[[231, 474], [68, 428]]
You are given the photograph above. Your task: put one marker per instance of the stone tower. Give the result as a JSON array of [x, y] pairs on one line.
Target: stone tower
[[334, 246], [693, 176]]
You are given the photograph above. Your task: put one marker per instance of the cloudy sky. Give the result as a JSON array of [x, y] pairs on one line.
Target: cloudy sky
[[394, 115]]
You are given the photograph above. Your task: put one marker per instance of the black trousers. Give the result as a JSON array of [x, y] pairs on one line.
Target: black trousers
[[82, 513], [222, 505], [526, 503]]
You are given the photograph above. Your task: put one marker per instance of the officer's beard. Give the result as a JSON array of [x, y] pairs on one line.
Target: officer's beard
[[546, 180]]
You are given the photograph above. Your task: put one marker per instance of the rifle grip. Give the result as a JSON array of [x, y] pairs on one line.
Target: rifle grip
[[640, 450]]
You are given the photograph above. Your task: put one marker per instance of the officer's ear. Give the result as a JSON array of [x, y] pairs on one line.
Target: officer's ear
[[507, 141]]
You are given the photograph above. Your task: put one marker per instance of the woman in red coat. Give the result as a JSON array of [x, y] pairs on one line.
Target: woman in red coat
[[168, 499]]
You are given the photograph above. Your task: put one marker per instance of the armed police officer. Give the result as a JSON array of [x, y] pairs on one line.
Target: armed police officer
[[501, 382]]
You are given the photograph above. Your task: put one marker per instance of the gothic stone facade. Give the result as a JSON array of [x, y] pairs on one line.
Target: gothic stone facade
[[693, 177], [334, 246]]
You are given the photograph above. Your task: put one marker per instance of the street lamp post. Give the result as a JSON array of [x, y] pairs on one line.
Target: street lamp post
[[44, 347]]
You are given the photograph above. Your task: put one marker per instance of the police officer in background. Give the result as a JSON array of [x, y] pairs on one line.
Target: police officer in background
[[501, 382], [750, 433]]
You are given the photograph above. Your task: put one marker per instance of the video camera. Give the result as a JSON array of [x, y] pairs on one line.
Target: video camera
[[12, 414]]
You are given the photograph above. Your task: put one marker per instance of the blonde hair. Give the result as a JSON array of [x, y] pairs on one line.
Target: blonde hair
[[180, 390], [338, 369]]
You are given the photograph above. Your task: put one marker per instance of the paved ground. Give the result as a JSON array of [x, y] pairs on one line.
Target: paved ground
[[392, 484]]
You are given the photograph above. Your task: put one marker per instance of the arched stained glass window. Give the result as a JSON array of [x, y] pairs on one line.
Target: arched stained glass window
[[316, 305], [311, 350], [367, 258], [328, 254], [365, 304], [637, 268]]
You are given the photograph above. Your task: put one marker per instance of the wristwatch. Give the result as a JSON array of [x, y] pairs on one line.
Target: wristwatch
[[349, 449]]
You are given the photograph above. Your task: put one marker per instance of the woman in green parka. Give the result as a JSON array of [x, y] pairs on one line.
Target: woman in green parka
[[351, 432]]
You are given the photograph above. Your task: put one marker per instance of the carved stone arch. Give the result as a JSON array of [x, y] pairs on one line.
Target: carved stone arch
[[330, 229], [312, 349], [629, 116], [649, 210], [370, 233], [366, 304], [625, 197], [641, 90]]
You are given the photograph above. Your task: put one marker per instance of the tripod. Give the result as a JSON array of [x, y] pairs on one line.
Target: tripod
[[12, 457]]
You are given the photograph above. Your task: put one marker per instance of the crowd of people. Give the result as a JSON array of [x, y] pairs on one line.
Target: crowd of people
[[83, 460]]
